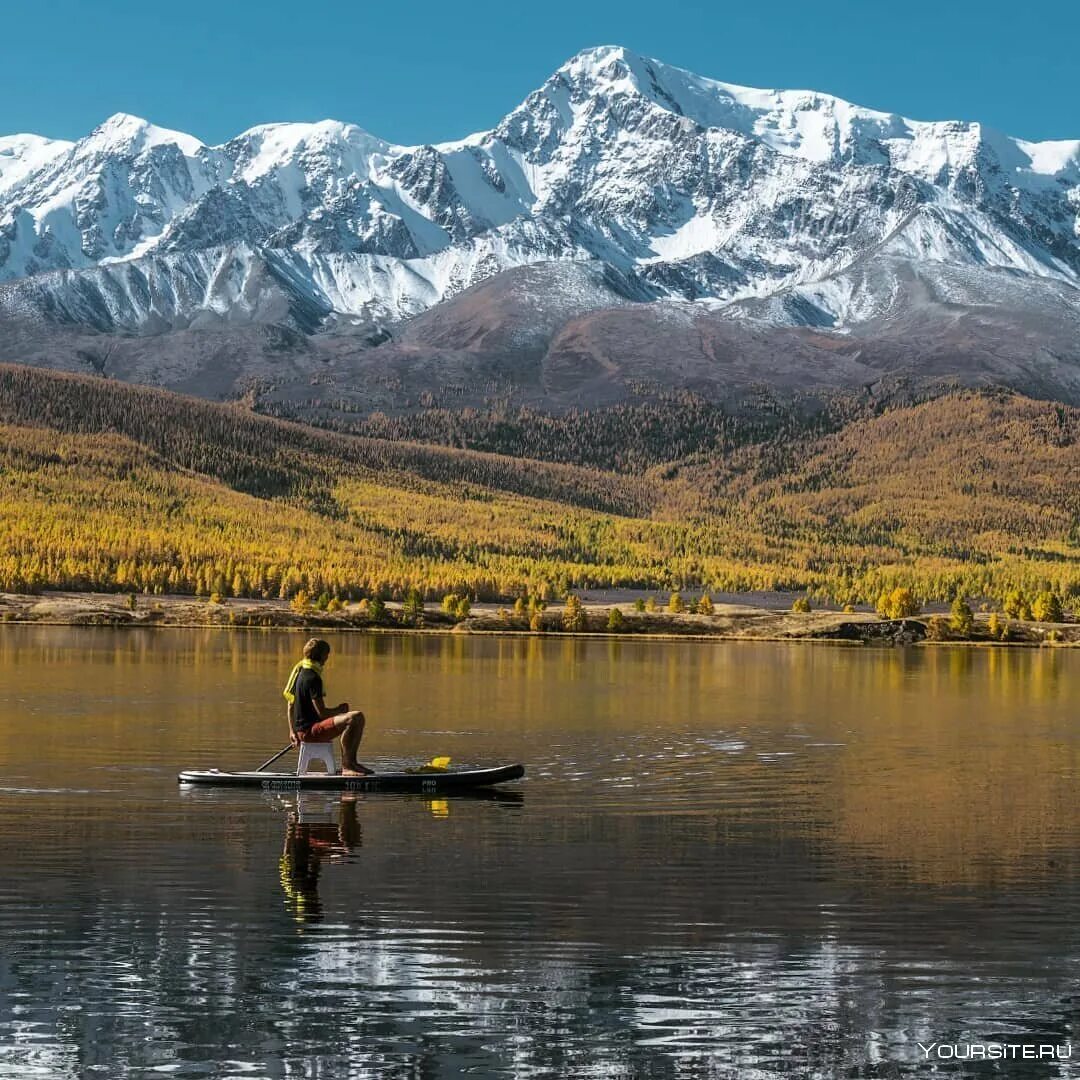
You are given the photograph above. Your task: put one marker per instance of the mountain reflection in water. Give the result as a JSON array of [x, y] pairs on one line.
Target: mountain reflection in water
[[731, 860]]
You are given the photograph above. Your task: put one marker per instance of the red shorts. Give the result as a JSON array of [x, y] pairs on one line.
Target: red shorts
[[320, 731]]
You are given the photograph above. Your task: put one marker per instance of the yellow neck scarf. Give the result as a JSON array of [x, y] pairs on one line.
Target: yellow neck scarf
[[311, 665]]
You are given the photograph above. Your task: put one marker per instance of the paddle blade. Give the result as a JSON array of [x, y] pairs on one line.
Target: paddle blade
[[436, 764]]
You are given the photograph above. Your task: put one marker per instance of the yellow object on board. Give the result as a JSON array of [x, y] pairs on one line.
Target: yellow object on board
[[436, 764]]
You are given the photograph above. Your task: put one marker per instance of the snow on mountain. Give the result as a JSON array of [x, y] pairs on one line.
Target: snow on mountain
[[23, 155], [697, 190]]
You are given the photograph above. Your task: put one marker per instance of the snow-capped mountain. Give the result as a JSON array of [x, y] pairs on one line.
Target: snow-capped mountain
[[769, 203]]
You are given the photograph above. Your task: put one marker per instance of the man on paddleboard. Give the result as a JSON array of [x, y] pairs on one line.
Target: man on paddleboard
[[310, 720]]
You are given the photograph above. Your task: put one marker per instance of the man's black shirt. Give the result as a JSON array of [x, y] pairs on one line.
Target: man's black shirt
[[308, 686]]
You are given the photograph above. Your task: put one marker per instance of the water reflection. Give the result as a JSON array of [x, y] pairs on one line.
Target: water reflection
[[750, 861], [310, 840]]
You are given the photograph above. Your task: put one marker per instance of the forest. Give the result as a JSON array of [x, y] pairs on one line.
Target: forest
[[114, 487]]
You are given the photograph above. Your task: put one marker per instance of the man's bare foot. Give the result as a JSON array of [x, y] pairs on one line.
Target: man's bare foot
[[356, 770]]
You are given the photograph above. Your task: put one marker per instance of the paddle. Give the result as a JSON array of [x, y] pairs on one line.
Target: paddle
[[270, 761]]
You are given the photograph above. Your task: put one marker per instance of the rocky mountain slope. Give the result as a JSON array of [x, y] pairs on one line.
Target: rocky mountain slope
[[627, 221]]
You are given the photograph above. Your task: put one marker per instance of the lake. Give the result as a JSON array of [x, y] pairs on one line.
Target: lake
[[727, 859]]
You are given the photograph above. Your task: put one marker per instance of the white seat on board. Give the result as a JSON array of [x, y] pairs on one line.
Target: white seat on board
[[316, 751]]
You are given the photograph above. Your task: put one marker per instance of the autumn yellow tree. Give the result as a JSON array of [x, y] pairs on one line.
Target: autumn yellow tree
[[573, 618], [898, 604], [1047, 607], [961, 618]]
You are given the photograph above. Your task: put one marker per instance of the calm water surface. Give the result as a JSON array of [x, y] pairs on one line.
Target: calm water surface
[[730, 860]]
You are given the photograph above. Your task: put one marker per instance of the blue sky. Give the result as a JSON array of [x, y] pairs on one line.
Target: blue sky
[[416, 71]]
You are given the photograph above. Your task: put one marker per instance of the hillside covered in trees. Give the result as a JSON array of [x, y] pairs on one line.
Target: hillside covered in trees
[[116, 487]]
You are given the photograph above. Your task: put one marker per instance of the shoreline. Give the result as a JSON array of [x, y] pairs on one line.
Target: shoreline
[[584, 635], [729, 622]]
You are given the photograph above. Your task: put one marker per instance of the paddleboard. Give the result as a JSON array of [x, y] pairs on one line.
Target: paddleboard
[[451, 780]]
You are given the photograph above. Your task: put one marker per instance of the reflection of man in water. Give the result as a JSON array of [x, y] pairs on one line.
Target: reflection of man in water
[[307, 843]]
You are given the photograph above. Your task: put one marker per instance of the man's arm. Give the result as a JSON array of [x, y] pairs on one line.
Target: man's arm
[[326, 713], [289, 721]]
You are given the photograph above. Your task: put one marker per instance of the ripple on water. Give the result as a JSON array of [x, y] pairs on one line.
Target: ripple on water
[[710, 869]]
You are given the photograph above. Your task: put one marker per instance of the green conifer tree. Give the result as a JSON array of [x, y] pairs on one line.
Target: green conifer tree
[[412, 610], [961, 618]]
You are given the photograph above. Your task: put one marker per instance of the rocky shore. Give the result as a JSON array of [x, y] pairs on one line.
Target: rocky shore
[[729, 620]]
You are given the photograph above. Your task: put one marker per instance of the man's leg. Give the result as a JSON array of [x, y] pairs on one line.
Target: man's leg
[[352, 733]]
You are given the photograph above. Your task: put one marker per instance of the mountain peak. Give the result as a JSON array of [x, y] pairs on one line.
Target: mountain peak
[[124, 133], [703, 190], [600, 59], [345, 149], [22, 155], [613, 69], [798, 123], [122, 121], [312, 133]]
